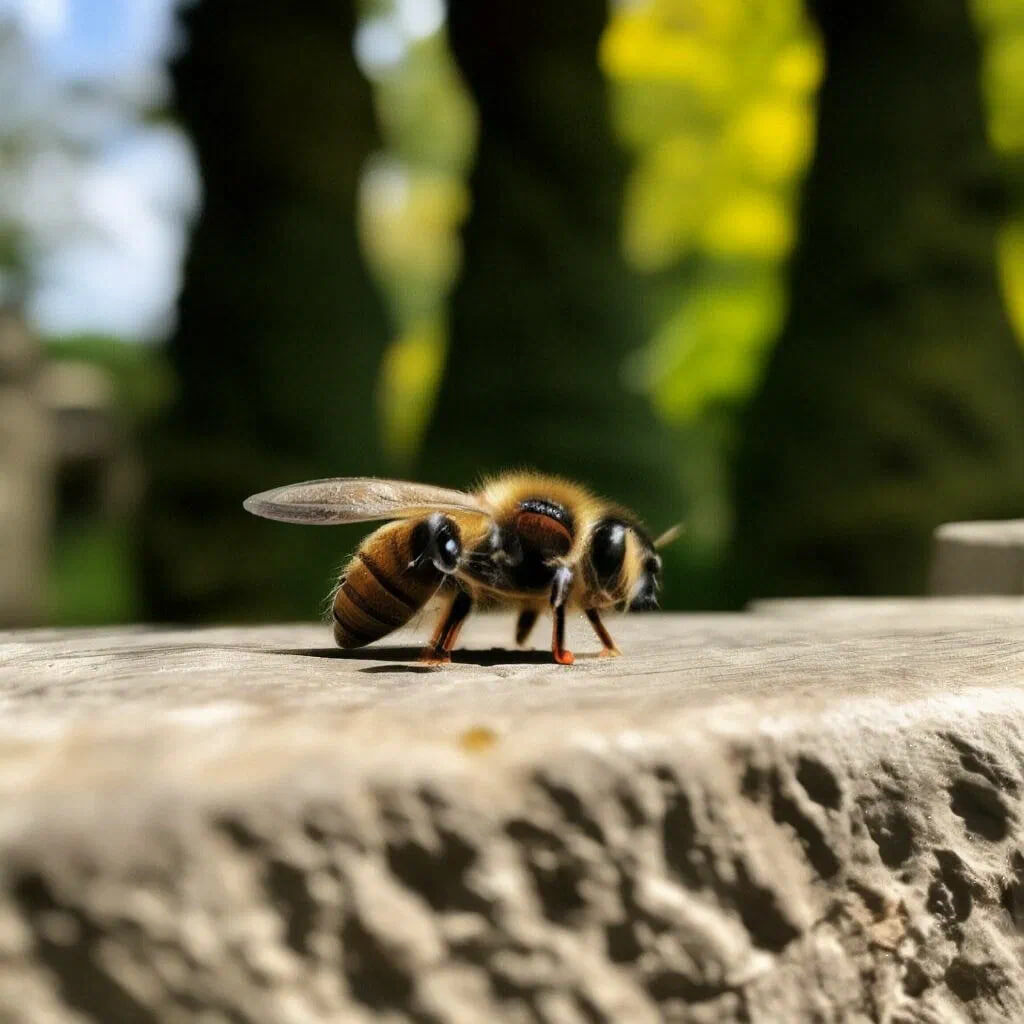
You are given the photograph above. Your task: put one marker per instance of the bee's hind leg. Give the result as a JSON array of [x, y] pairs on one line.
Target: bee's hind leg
[[608, 648], [524, 625], [439, 650]]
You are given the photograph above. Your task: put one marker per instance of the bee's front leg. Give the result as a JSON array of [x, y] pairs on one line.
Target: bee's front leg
[[608, 648], [560, 587]]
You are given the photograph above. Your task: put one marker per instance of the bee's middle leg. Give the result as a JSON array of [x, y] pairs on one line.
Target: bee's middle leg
[[439, 650]]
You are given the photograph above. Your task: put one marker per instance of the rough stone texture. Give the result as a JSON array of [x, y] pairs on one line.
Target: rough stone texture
[[979, 558], [809, 812]]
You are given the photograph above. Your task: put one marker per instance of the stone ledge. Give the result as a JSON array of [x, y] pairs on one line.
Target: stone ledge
[[979, 558], [808, 812]]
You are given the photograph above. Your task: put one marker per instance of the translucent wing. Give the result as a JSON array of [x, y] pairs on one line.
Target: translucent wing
[[357, 499]]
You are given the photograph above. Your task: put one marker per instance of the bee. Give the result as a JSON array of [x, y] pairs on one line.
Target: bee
[[521, 539]]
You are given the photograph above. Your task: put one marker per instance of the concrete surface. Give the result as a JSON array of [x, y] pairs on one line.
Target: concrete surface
[[811, 812]]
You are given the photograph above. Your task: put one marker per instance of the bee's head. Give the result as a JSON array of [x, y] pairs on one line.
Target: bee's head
[[625, 564], [644, 595]]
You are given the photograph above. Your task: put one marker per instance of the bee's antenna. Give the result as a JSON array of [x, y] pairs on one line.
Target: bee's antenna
[[669, 535]]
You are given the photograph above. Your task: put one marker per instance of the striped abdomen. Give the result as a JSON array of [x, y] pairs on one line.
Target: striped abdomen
[[380, 590]]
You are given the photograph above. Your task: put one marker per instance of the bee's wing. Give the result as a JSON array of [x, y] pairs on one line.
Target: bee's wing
[[357, 499]]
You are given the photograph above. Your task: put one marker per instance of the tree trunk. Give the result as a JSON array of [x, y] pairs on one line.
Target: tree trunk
[[895, 398], [546, 310], [281, 329]]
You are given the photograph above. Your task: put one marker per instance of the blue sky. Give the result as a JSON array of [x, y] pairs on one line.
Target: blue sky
[[97, 37], [111, 229]]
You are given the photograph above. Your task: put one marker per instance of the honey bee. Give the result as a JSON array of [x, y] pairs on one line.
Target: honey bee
[[521, 539]]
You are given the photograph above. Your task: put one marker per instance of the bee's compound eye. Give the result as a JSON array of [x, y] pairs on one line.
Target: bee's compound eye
[[608, 550], [445, 544]]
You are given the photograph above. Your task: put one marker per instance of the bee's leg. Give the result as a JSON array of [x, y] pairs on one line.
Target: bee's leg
[[439, 650], [524, 625], [608, 648], [442, 545], [559, 595]]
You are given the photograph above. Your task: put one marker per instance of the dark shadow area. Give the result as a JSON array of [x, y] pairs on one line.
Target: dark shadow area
[[155, 650], [406, 653], [417, 670], [487, 658]]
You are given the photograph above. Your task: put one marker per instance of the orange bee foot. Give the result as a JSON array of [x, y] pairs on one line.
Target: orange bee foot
[[432, 656], [564, 657], [610, 652]]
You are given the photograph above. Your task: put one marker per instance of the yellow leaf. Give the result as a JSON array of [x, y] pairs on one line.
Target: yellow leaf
[[773, 138], [636, 45], [1011, 270], [665, 202], [1004, 90], [410, 375], [751, 224], [799, 66]]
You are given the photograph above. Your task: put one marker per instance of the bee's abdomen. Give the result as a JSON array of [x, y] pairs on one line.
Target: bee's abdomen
[[380, 589]]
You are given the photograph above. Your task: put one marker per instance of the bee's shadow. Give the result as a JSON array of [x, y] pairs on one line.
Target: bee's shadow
[[410, 656]]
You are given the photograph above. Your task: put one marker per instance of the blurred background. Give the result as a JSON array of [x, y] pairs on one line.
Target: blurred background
[[758, 266]]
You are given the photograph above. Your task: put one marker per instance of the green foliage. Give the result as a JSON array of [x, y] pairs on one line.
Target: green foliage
[[613, 302], [1001, 25], [412, 202], [93, 577], [894, 399], [426, 118], [92, 574], [21, 135], [715, 101], [141, 375], [410, 377]]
